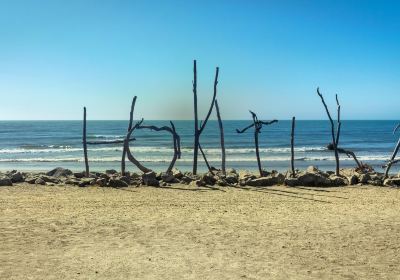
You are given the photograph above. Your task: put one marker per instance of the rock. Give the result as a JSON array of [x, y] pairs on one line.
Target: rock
[[186, 180], [59, 172], [126, 179], [49, 179], [31, 180], [200, 183], [40, 181], [116, 183], [353, 180], [177, 173], [111, 171], [168, 177], [231, 178], [231, 171], [209, 179], [313, 179], [364, 178], [337, 180], [102, 182], [393, 182], [263, 181], [5, 182], [150, 179], [79, 175], [74, 182], [312, 169], [221, 183], [16, 177], [86, 182], [291, 182]]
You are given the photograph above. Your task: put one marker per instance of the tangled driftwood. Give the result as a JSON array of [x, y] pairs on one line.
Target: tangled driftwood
[[257, 124]]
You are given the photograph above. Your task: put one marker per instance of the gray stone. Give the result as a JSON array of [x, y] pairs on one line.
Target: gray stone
[[126, 179], [291, 182], [111, 171], [364, 178], [5, 182], [177, 173], [16, 177], [209, 179], [337, 180], [353, 180], [40, 181], [312, 169], [59, 172], [102, 182], [313, 179], [79, 175], [231, 178], [116, 183], [263, 181], [31, 180], [186, 179], [150, 179], [86, 182], [168, 177]]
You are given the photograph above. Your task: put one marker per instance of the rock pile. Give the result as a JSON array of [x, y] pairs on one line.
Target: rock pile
[[312, 176]]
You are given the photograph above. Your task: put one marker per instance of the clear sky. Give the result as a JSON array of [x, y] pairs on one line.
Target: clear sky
[[58, 56]]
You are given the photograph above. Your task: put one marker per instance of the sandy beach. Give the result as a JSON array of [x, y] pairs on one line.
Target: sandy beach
[[186, 232]]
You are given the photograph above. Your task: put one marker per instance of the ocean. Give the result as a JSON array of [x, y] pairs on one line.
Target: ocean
[[43, 145]]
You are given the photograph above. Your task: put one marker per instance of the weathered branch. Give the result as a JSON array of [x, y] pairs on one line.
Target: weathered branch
[[198, 130], [85, 154], [332, 131], [205, 160], [339, 122], [257, 124], [212, 102], [394, 154], [221, 131], [129, 128], [292, 146]]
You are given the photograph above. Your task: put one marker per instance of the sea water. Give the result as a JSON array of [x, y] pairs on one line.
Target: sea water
[[42, 145]]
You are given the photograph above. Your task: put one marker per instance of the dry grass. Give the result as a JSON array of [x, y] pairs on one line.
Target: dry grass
[[192, 233]]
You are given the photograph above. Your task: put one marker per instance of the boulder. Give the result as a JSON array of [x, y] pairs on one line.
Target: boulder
[[102, 182], [79, 175], [40, 181], [263, 181], [337, 180], [209, 179], [86, 182], [364, 178], [393, 182], [312, 169], [126, 179], [17, 177], [31, 180], [59, 172], [117, 183], [313, 179], [177, 173], [150, 179], [168, 177], [291, 182], [231, 178], [111, 171], [5, 182], [353, 180]]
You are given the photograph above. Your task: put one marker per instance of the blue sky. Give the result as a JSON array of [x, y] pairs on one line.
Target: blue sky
[[58, 56]]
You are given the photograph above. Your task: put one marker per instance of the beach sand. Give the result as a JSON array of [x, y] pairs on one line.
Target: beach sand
[[183, 232]]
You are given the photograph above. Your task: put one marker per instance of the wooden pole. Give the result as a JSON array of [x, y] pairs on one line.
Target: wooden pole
[[85, 144], [196, 120], [292, 146], [221, 130]]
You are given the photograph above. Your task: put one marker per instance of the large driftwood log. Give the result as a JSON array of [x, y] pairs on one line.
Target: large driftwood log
[[221, 132], [292, 147], [392, 159], [199, 129], [257, 124], [332, 131]]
